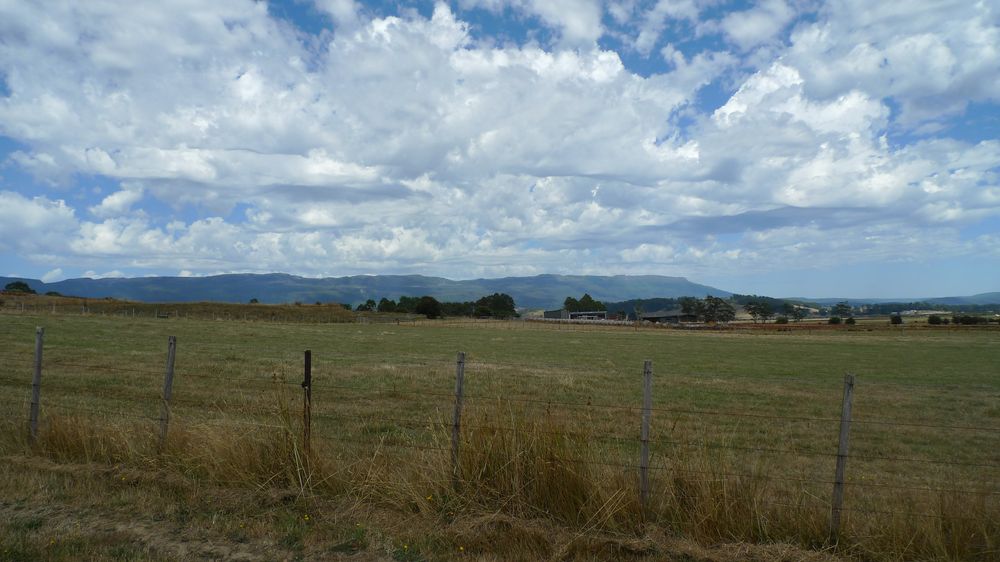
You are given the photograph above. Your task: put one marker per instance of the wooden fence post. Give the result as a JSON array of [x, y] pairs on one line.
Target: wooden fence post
[[168, 388], [647, 411], [456, 426], [307, 402], [838, 481], [36, 387]]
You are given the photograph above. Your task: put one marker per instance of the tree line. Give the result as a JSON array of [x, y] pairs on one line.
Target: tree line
[[497, 305]]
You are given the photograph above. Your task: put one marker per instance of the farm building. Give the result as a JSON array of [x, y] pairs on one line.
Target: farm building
[[673, 316], [563, 314]]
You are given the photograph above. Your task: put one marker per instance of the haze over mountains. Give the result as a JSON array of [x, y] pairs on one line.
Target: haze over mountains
[[541, 291]]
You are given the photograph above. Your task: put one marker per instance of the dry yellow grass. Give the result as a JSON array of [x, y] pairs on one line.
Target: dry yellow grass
[[539, 479]]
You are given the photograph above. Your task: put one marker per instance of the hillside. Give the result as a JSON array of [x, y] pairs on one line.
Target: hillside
[[541, 291]]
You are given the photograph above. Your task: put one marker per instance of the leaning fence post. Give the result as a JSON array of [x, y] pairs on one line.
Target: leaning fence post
[[456, 426], [647, 410], [36, 387], [168, 388], [838, 481], [307, 402]]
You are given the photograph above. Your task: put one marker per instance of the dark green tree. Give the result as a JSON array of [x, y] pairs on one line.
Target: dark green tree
[[842, 308], [19, 287], [571, 304], [386, 305], [367, 306], [428, 306], [758, 309], [407, 305], [588, 304], [715, 309], [497, 305], [689, 305]]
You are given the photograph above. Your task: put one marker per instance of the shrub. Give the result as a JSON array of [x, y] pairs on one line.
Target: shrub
[[834, 320], [895, 319], [850, 321], [946, 321], [935, 320], [781, 320]]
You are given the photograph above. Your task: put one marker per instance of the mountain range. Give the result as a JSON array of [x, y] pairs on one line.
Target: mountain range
[[540, 291]]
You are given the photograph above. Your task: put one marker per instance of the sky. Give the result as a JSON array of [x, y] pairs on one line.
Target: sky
[[784, 147]]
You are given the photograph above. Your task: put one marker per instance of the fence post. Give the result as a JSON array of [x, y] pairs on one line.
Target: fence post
[[307, 402], [647, 411], [838, 481], [168, 388], [36, 387], [456, 426]]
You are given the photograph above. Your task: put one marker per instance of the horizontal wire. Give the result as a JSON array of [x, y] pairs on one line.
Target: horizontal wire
[[927, 461], [227, 422], [909, 513], [694, 444], [120, 413], [387, 445], [57, 364], [475, 425], [921, 488], [319, 385], [926, 425], [659, 409]]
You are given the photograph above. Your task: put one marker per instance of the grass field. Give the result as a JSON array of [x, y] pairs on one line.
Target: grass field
[[743, 439]]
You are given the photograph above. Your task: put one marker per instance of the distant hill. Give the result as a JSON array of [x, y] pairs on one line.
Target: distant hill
[[981, 298], [541, 291]]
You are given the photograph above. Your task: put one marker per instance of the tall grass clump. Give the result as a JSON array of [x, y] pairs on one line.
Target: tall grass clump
[[261, 453], [535, 469]]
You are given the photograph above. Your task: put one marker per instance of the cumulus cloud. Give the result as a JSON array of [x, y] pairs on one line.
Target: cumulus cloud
[[577, 22], [117, 203], [402, 143], [52, 275], [760, 24], [933, 59], [34, 225]]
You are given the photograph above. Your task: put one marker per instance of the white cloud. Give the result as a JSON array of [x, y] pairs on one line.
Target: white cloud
[[654, 21], [403, 144], [577, 21], [53, 275], [117, 203], [932, 59], [29, 226], [758, 25], [343, 12], [106, 275]]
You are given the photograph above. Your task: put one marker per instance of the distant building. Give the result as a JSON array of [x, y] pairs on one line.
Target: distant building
[[564, 314], [672, 316]]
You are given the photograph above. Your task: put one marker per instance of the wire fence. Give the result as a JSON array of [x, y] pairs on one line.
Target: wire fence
[[375, 411]]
